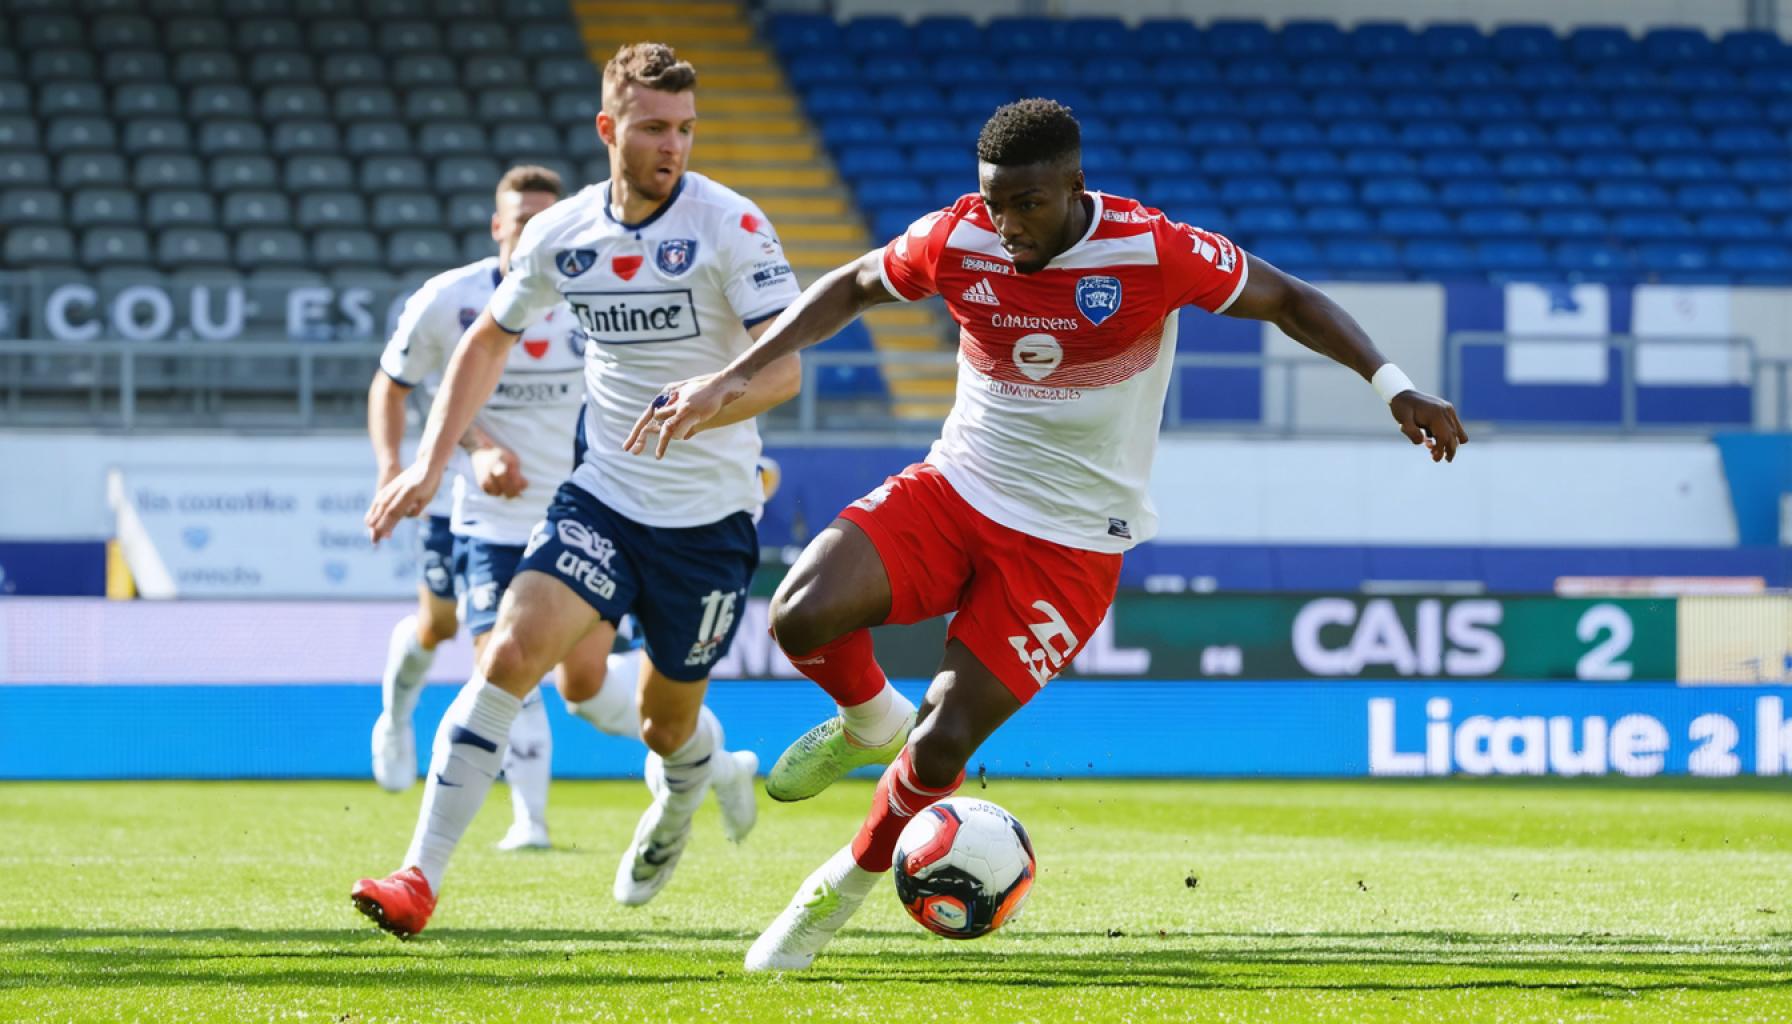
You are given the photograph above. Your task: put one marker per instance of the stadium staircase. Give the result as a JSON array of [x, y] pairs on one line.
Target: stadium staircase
[[755, 137]]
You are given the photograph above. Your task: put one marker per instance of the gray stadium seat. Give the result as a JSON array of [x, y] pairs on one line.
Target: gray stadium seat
[[535, 10], [234, 172], [570, 174], [131, 67], [224, 138], [318, 174], [377, 138], [45, 31], [281, 68], [423, 71], [114, 247], [15, 98], [340, 35], [421, 250], [451, 138], [575, 108], [476, 245], [343, 69], [294, 102], [397, 10], [582, 142], [299, 138], [495, 73], [510, 105], [91, 170], [469, 38], [61, 66], [156, 135], [105, 207], [467, 211], [19, 135], [124, 32], [156, 171], [315, 9], [146, 99], [451, 10], [364, 103], [257, 210], [255, 8], [259, 35], [204, 67], [180, 247], [187, 34], [375, 277], [597, 169], [80, 134], [346, 247], [65, 99], [181, 210], [389, 173], [467, 174], [530, 139], [216, 278], [332, 210], [24, 169], [111, 281], [547, 40], [556, 73], [400, 37], [9, 66], [28, 247], [270, 247], [396, 210], [220, 100], [181, 8], [436, 105], [22, 206]]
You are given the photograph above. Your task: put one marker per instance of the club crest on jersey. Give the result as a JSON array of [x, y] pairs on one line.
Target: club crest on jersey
[[675, 255], [573, 262], [467, 315], [1037, 355], [1098, 297]]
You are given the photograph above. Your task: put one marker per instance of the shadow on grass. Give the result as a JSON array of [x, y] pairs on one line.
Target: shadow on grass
[[1608, 967]]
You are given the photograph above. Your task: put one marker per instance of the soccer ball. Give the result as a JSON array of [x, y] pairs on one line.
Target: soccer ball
[[963, 867]]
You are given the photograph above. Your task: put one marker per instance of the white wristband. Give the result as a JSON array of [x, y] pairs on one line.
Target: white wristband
[[1389, 381]]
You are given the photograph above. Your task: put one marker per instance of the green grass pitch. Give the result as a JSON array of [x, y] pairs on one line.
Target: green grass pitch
[[1234, 901]]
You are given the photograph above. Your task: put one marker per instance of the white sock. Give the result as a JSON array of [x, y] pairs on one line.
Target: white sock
[[406, 665], [687, 771], [878, 720], [529, 762], [842, 869], [468, 750], [722, 768], [614, 711]]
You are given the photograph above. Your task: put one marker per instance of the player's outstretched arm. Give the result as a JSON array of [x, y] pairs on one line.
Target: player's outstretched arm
[[688, 406], [385, 424], [1310, 317], [467, 383]]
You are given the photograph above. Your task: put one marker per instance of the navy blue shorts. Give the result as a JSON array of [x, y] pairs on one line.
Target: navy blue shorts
[[436, 566], [685, 586], [482, 572]]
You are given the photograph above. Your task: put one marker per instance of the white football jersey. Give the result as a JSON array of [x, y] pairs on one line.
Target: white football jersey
[[533, 412], [660, 301]]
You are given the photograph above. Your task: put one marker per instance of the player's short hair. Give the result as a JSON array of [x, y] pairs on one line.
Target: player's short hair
[[1029, 132], [530, 178], [649, 65]]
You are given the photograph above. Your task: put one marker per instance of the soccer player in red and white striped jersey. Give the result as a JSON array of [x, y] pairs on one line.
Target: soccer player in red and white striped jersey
[[1016, 522]]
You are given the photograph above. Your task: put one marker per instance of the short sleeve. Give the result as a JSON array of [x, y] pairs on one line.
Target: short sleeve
[[910, 262], [529, 288], [756, 275], [425, 335], [1201, 268]]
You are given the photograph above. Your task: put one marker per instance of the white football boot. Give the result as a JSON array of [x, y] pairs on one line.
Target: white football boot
[[827, 898], [394, 754]]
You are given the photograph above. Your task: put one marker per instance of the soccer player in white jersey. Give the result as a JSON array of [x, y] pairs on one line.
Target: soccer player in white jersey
[[1066, 301], [671, 275]]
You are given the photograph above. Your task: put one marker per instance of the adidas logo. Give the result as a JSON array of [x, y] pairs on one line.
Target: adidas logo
[[981, 293]]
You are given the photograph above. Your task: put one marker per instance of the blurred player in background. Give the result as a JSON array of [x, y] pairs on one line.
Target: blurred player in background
[[671, 275], [1017, 521]]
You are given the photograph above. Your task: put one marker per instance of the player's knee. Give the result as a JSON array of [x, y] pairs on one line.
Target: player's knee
[[510, 661], [665, 735], [436, 627], [579, 683], [939, 751], [799, 619]]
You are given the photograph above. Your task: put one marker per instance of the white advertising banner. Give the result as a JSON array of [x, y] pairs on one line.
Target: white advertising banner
[[1675, 312], [243, 531], [1558, 313]]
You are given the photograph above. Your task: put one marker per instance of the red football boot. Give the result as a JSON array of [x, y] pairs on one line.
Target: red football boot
[[400, 903]]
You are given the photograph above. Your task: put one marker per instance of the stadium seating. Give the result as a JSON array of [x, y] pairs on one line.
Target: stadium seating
[[1442, 153]]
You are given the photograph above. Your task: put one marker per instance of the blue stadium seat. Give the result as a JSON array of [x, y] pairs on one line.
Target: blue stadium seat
[[877, 69], [1564, 107], [1336, 220], [1178, 191], [872, 161], [1472, 76], [1530, 166], [1767, 263], [823, 70], [1017, 34], [852, 129], [1549, 193], [1638, 107], [1571, 224], [1746, 140], [1229, 37], [1590, 137], [1400, 75], [1677, 46], [1676, 259], [950, 34], [1265, 220], [1105, 73], [1104, 159], [913, 131], [1629, 195], [1749, 47], [1701, 78], [1132, 101], [1322, 192], [1417, 106], [1383, 40], [980, 101], [891, 221], [1772, 81], [1680, 167], [1106, 36], [1349, 104], [1589, 260], [1287, 251], [840, 99], [1295, 163], [901, 190], [1731, 109], [1206, 134], [1610, 167], [1596, 44], [1378, 163], [908, 100], [1496, 222], [1511, 135], [1705, 197], [1264, 104], [1360, 134], [1519, 44], [1362, 258], [1257, 73], [1308, 40], [1445, 42], [1385, 193], [1036, 70], [1319, 75], [1175, 38], [1471, 194], [942, 160], [1184, 73], [1233, 161], [1439, 258], [1455, 163], [1513, 258], [1650, 226], [1546, 78], [1162, 160], [793, 34], [1252, 191], [1735, 226], [1415, 222], [877, 35], [1775, 198], [1430, 135]]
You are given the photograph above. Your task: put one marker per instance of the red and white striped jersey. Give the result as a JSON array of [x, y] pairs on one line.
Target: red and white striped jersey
[[1062, 373]]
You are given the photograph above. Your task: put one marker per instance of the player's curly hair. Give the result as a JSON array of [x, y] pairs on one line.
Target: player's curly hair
[[1029, 132], [652, 65]]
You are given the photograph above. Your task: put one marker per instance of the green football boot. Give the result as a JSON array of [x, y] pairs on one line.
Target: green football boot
[[821, 756]]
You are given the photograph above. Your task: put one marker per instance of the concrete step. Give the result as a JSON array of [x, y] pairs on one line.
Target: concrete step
[[821, 233], [920, 410], [781, 153], [747, 177], [736, 128]]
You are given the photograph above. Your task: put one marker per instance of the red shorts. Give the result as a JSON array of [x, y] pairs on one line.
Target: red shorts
[[1025, 606]]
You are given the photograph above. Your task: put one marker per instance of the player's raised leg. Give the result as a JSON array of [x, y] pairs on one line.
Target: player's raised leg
[[539, 620], [683, 742], [964, 705], [409, 654], [821, 616]]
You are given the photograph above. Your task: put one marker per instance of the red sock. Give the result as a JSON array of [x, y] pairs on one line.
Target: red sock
[[846, 668], [899, 798]]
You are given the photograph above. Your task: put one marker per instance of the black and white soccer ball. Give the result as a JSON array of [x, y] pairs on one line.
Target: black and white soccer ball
[[963, 867]]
